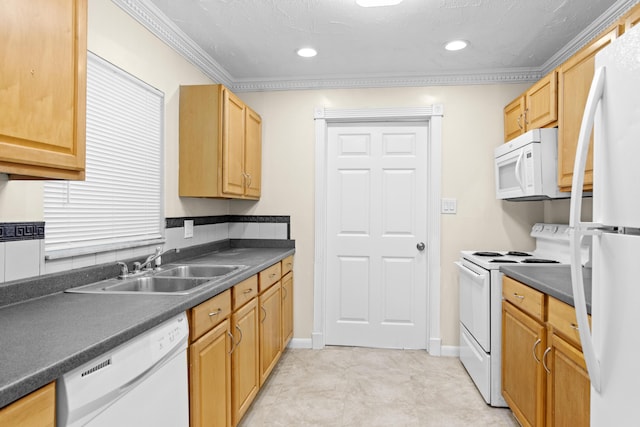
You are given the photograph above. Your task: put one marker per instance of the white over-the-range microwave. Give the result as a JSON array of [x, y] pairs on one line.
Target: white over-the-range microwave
[[526, 167]]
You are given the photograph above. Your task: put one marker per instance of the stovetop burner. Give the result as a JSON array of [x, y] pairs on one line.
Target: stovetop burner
[[504, 261], [539, 261], [517, 253], [491, 254]]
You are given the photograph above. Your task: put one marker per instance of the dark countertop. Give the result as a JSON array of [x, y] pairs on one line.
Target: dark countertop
[[554, 280], [45, 337]]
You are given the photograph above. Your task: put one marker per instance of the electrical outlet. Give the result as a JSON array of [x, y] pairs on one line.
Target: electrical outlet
[[188, 228]]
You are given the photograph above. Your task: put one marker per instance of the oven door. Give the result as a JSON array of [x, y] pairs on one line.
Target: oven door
[[475, 292]]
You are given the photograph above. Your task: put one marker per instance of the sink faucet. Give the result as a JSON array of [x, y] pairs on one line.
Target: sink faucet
[[138, 267]]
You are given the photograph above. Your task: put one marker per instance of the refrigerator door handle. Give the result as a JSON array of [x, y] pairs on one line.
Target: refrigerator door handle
[[578, 229]]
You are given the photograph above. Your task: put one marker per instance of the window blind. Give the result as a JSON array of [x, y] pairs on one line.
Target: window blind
[[120, 202]]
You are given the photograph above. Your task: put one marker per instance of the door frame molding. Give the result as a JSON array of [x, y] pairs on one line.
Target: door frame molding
[[430, 116]]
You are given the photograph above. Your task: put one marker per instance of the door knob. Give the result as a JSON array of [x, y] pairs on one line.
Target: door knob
[[420, 246]]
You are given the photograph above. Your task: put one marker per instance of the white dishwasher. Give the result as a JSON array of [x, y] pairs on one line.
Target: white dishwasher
[[143, 382]]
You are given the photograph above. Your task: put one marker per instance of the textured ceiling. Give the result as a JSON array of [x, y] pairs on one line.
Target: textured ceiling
[[256, 40]]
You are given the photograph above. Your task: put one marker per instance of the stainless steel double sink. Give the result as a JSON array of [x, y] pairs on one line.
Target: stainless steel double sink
[[173, 279]]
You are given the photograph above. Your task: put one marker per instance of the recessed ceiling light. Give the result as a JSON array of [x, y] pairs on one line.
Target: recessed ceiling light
[[377, 3], [456, 45], [307, 52]]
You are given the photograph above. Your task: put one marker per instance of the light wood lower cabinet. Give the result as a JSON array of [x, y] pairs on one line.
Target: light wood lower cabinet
[[245, 375], [544, 377], [568, 386], [237, 338], [270, 329], [210, 378], [34, 410], [210, 362], [287, 309], [523, 376]]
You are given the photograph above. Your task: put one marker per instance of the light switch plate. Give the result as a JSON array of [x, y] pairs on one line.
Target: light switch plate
[[188, 228], [449, 206]]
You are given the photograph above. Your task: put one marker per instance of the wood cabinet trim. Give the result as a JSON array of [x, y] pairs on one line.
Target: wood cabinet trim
[[208, 314], [36, 409]]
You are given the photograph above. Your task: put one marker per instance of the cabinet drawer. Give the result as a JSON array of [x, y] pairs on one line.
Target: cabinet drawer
[[208, 314], [525, 298], [287, 264], [562, 317], [269, 276], [244, 291]]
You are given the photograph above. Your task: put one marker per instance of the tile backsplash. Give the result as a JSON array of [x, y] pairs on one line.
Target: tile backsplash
[[22, 244]]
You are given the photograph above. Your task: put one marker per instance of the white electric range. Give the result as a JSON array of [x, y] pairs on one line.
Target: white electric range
[[480, 291]]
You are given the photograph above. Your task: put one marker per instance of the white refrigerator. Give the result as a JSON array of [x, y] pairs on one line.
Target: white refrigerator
[[612, 346]]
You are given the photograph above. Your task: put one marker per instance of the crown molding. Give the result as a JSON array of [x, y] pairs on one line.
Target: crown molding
[[445, 79], [149, 16], [598, 26]]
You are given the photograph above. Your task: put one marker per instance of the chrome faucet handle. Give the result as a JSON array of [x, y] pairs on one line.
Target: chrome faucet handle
[[124, 270]]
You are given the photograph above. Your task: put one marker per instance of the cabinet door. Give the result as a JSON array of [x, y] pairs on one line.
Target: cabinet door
[[514, 119], [233, 113], [270, 330], [43, 81], [523, 377], [34, 410], [568, 386], [575, 77], [632, 18], [253, 154], [287, 309], [542, 102], [210, 378], [245, 375]]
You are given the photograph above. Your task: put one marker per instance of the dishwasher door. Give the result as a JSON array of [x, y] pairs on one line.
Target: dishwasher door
[[143, 382]]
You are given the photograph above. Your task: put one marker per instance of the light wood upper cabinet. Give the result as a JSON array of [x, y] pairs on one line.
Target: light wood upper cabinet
[[220, 144], [575, 77], [536, 108], [632, 18], [542, 102], [43, 88], [514, 118], [253, 153], [34, 410]]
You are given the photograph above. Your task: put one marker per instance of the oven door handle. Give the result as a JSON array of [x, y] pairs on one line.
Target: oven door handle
[[476, 277]]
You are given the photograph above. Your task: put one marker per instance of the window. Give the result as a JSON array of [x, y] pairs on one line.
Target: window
[[119, 204]]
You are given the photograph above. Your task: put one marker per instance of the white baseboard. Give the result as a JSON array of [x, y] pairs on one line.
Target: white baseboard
[[300, 343], [435, 346], [317, 339], [450, 351]]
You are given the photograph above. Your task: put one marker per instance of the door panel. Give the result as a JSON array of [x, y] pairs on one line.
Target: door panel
[[376, 210]]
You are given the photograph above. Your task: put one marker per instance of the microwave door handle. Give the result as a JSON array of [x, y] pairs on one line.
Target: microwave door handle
[[579, 229], [519, 170]]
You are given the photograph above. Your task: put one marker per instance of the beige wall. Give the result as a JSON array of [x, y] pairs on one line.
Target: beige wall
[[472, 128]]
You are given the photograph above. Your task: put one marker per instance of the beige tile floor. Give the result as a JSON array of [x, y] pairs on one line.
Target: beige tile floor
[[358, 387]]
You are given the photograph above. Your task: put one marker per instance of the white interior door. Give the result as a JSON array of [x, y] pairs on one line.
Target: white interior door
[[376, 278]]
